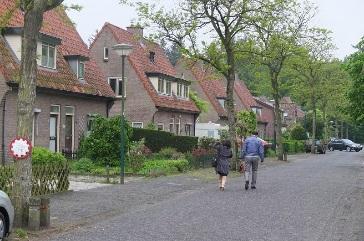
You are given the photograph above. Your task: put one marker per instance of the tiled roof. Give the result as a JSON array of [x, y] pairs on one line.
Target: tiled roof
[[56, 24], [210, 83], [139, 59], [244, 94]]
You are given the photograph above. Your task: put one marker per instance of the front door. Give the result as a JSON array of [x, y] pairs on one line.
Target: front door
[[69, 134], [53, 133]]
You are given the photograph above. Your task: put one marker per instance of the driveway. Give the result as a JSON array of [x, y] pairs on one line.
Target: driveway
[[314, 197]]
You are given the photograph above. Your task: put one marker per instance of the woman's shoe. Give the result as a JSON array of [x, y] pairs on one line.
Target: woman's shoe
[[222, 189]]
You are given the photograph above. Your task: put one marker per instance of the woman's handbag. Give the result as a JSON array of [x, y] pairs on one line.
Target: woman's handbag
[[214, 162], [242, 168]]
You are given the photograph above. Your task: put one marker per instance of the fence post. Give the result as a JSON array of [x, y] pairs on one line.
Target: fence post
[[34, 214], [45, 214]]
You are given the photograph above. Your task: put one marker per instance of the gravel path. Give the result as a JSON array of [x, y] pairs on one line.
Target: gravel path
[[314, 198]]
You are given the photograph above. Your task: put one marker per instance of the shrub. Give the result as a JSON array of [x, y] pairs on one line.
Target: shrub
[[206, 142], [270, 153], [138, 154], [103, 143], [298, 133], [157, 140], [293, 146], [202, 157], [169, 154], [84, 165], [164, 167], [41, 155]]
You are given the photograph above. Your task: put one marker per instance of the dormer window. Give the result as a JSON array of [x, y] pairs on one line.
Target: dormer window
[[179, 90], [257, 110], [160, 86], [106, 54], [77, 64], [81, 70], [169, 88], [152, 56], [48, 56], [222, 102], [185, 92]]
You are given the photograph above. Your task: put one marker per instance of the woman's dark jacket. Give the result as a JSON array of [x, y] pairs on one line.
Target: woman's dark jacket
[[223, 155]]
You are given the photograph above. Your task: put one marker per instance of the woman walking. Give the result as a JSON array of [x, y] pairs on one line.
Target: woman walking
[[224, 154]]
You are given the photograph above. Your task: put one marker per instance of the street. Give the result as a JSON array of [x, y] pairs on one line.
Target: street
[[314, 197]]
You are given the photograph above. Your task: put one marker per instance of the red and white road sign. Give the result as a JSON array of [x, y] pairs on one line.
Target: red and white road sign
[[20, 148]]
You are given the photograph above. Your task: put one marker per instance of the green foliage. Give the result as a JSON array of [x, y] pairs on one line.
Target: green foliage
[[164, 167], [206, 142], [103, 143], [270, 153], [200, 103], [223, 134], [41, 155], [246, 123], [298, 132], [156, 140], [83, 166], [293, 146], [169, 154], [355, 65], [319, 123], [151, 126], [138, 154]]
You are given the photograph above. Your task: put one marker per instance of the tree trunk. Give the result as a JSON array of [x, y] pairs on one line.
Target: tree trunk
[[230, 105], [33, 20], [342, 130], [336, 130], [347, 131], [277, 115], [313, 138]]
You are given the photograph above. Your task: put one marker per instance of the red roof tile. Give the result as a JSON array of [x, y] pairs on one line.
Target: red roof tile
[[244, 94], [139, 59], [56, 24]]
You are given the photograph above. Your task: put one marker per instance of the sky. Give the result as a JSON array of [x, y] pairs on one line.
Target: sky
[[344, 18]]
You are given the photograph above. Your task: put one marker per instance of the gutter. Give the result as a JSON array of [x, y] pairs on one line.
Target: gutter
[[3, 128]]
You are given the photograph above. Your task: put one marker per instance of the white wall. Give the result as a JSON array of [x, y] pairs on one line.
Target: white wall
[[14, 42], [209, 130]]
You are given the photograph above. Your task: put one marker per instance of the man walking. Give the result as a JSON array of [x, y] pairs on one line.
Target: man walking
[[252, 151]]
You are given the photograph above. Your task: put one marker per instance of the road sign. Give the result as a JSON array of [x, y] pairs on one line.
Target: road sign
[[20, 148]]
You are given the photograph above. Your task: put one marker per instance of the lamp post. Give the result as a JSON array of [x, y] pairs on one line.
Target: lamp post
[[122, 50]]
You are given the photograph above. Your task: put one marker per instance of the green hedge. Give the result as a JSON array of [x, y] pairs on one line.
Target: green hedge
[[294, 146], [156, 140]]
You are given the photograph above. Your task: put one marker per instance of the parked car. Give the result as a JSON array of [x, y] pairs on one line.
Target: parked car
[[6, 215], [344, 144], [319, 145]]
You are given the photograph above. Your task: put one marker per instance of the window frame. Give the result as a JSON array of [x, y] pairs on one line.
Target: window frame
[[162, 125], [161, 86], [171, 122], [106, 53], [168, 84], [48, 46], [137, 123], [118, 80], [78, 70], [186, 91], [179, 90]]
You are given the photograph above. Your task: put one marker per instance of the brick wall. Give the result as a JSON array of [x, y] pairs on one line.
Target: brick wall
[[83, 107], [3, 89]]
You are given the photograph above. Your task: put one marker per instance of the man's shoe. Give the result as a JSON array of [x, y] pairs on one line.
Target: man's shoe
[[253, 187], [246, 185]]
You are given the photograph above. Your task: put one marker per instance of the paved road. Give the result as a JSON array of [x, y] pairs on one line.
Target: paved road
[[314, 198]]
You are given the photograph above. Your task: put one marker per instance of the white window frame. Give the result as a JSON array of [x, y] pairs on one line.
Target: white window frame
[[179, 127], [106, 49], [185, 91], [78, 69], [166, 89], [179, 90], [137, 123], [161, 88], [58, 124], [188, 124], [160, 124], [118, 80], [257, 111], [55, 56], [222, 104], [171, 122]]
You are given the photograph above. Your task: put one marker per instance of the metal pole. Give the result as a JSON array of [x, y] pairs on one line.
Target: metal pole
[[122, 143]]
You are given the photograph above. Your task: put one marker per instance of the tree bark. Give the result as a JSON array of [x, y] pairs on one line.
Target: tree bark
[[277, 114], [342, 130], [230, 104], [313, 138], [33, 19]]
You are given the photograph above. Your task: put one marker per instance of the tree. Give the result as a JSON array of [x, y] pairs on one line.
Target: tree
[[297, 132], [276, 37], [354, 64], [224, 20], [246, 123]]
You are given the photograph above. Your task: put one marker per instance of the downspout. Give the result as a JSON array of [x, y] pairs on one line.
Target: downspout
[[194, 124], [3, 129]]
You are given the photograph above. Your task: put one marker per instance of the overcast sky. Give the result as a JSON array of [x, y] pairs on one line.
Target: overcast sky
[[344, 18]]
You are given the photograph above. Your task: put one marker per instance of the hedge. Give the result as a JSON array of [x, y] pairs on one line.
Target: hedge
[[294, 146], [156, 140]]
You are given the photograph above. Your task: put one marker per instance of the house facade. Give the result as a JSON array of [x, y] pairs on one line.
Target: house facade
[[211, 87], [291, 111], [154, 93], [70, 88]]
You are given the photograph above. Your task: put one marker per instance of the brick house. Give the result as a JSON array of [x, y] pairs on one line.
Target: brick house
[[211, 87], [291, 111], [70, 87], [154, 93], [266, 126]]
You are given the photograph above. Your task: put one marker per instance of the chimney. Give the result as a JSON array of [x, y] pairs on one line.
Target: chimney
[[135, 30]]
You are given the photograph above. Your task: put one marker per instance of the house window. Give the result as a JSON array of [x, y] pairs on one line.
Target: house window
[[168, 88], [171, 125], [54, 128], [48, 56], [161, 86], [137, 124], [211, 133], [188, 129], [179, 90], [90, 121], [222, 102], [152, 56], [178, 126], [106, 54], [257, 111], [160, 126], [117, 86], [81, 70], [185, 92]]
